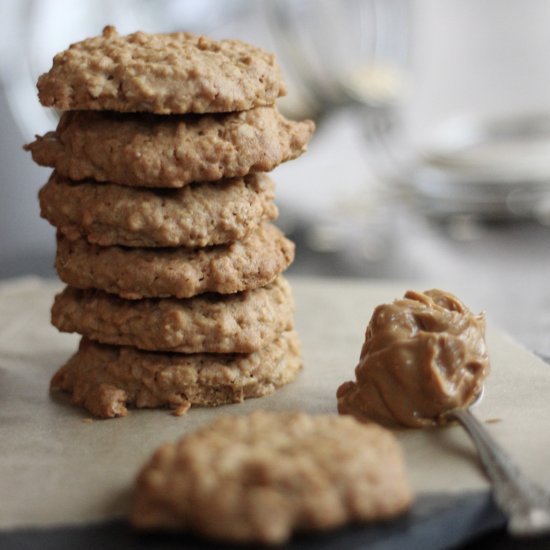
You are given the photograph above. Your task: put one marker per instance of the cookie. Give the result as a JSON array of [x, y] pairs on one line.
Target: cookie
[[259, 478], [179, 272], [198, 215], [160, 151], [161, 73], [234, 323], [106, 379]]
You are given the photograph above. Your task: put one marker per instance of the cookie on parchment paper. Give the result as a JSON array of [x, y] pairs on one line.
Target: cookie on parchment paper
[[161, 73], [235, 323], [159, 151], [106, 379], [135, 273], [198, 215], [261, 477]]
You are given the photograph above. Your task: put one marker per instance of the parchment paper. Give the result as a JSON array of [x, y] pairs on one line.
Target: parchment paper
[[57, 467]]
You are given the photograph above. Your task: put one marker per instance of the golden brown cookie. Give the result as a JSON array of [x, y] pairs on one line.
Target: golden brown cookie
[[169, 151], [259, 478], [234, 323], [161, 73], [198, 215], [135, 273], [106, 379]]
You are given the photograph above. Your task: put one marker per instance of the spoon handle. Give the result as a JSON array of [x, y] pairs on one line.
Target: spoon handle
[[526, 505]]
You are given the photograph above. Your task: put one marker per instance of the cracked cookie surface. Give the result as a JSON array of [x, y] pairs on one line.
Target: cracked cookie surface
[[107, 379], [197, 215], [135, 273], [161, 73], [234, 323], [169, 151]]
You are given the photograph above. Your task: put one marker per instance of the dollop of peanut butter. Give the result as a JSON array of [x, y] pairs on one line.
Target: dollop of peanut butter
[[424, 354]]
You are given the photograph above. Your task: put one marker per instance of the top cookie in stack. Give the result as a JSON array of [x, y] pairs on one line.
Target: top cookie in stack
[[161, 73], [162, 207]]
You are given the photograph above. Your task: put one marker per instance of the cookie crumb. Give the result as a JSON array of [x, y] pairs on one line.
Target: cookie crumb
[[182, 409], [494, 420], [87, 420]]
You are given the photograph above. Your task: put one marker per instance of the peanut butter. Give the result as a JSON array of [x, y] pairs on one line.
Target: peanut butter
[[423, 355]]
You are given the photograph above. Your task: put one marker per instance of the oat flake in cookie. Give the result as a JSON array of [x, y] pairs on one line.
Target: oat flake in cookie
[[161, 73], [262, 477]]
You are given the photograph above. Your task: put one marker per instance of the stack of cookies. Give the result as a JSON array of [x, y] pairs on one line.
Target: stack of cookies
[[162, 206]]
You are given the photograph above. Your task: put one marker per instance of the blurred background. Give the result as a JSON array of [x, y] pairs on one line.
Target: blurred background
[[431, 161]]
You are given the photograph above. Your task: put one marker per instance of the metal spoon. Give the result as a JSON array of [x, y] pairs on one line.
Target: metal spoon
[[526, 505]]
